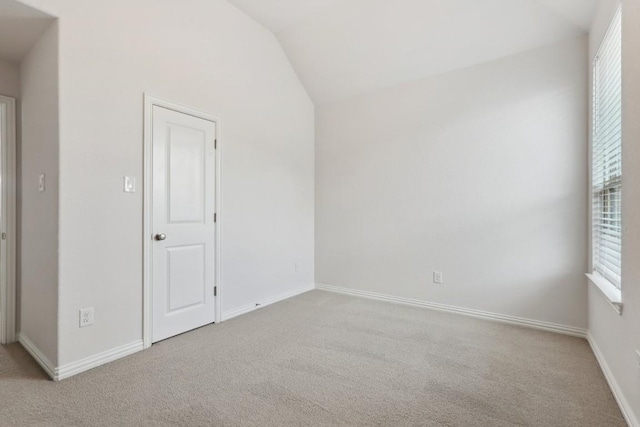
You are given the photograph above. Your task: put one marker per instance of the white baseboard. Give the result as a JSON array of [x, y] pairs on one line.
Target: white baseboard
[[529, 323], [38, 355], [74, 368], [276, 298], [96, 360], [624, 405]]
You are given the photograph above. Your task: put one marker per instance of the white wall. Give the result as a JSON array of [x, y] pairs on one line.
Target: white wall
[[38, 224], [204, 54], [479, 173], [9, 79], [618, 336]]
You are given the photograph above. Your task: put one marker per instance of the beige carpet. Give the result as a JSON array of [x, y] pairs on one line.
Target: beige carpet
[[323, 359]]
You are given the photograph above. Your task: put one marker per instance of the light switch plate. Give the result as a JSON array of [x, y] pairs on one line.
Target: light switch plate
[[41, 183], [129, 184]]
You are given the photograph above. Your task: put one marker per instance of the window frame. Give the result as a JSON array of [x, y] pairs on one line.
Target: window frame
[[609, 284]]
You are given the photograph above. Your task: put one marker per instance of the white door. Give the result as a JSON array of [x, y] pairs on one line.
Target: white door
[[7, 219], [184, 235]]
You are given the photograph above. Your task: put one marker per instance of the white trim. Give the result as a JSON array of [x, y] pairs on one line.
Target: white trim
[[271, 300], [609, 290], [8, 223], [149, 102], [520, 321], [612, 22], [96, 360], [38, 355], [625, 407], [82, 365]]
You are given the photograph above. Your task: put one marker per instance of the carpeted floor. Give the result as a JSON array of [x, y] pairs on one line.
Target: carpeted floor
[[324, 359]]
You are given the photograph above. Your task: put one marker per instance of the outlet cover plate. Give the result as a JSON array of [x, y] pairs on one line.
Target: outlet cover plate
[[86, 317], [437, 277]]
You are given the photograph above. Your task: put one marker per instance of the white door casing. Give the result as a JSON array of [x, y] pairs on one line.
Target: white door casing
[[7, 219], [181, 247]]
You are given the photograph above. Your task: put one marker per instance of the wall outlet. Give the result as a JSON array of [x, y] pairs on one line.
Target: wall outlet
[[437, 277], [296, 267], [41, 183], [86, 317]]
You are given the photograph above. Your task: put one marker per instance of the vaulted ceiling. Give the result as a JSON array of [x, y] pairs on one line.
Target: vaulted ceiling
[[341, 48], [20, 27]]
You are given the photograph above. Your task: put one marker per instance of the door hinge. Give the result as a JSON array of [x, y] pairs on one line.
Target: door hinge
[[4, 236], [215, 291], [215, 217], [215, 144]]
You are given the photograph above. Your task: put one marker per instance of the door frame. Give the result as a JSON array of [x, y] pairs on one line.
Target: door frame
[[8, 223], [151, 101]]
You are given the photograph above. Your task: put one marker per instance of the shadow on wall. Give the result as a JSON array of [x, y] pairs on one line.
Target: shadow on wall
[[21, 28]]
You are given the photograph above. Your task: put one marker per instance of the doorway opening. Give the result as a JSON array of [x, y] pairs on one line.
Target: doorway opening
[[7, 219]]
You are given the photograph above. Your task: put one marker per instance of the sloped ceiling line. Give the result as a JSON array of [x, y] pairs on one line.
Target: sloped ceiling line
[[343, 48]]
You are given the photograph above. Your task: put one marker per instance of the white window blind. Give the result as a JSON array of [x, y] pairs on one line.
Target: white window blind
[[607, 155]]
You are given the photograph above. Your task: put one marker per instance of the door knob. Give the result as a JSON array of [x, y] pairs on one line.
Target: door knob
[[160, 236]]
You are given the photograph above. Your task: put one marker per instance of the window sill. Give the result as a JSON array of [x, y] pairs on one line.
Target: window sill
[[613, 294]]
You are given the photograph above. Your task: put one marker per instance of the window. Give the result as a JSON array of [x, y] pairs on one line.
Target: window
[[607, 156]]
